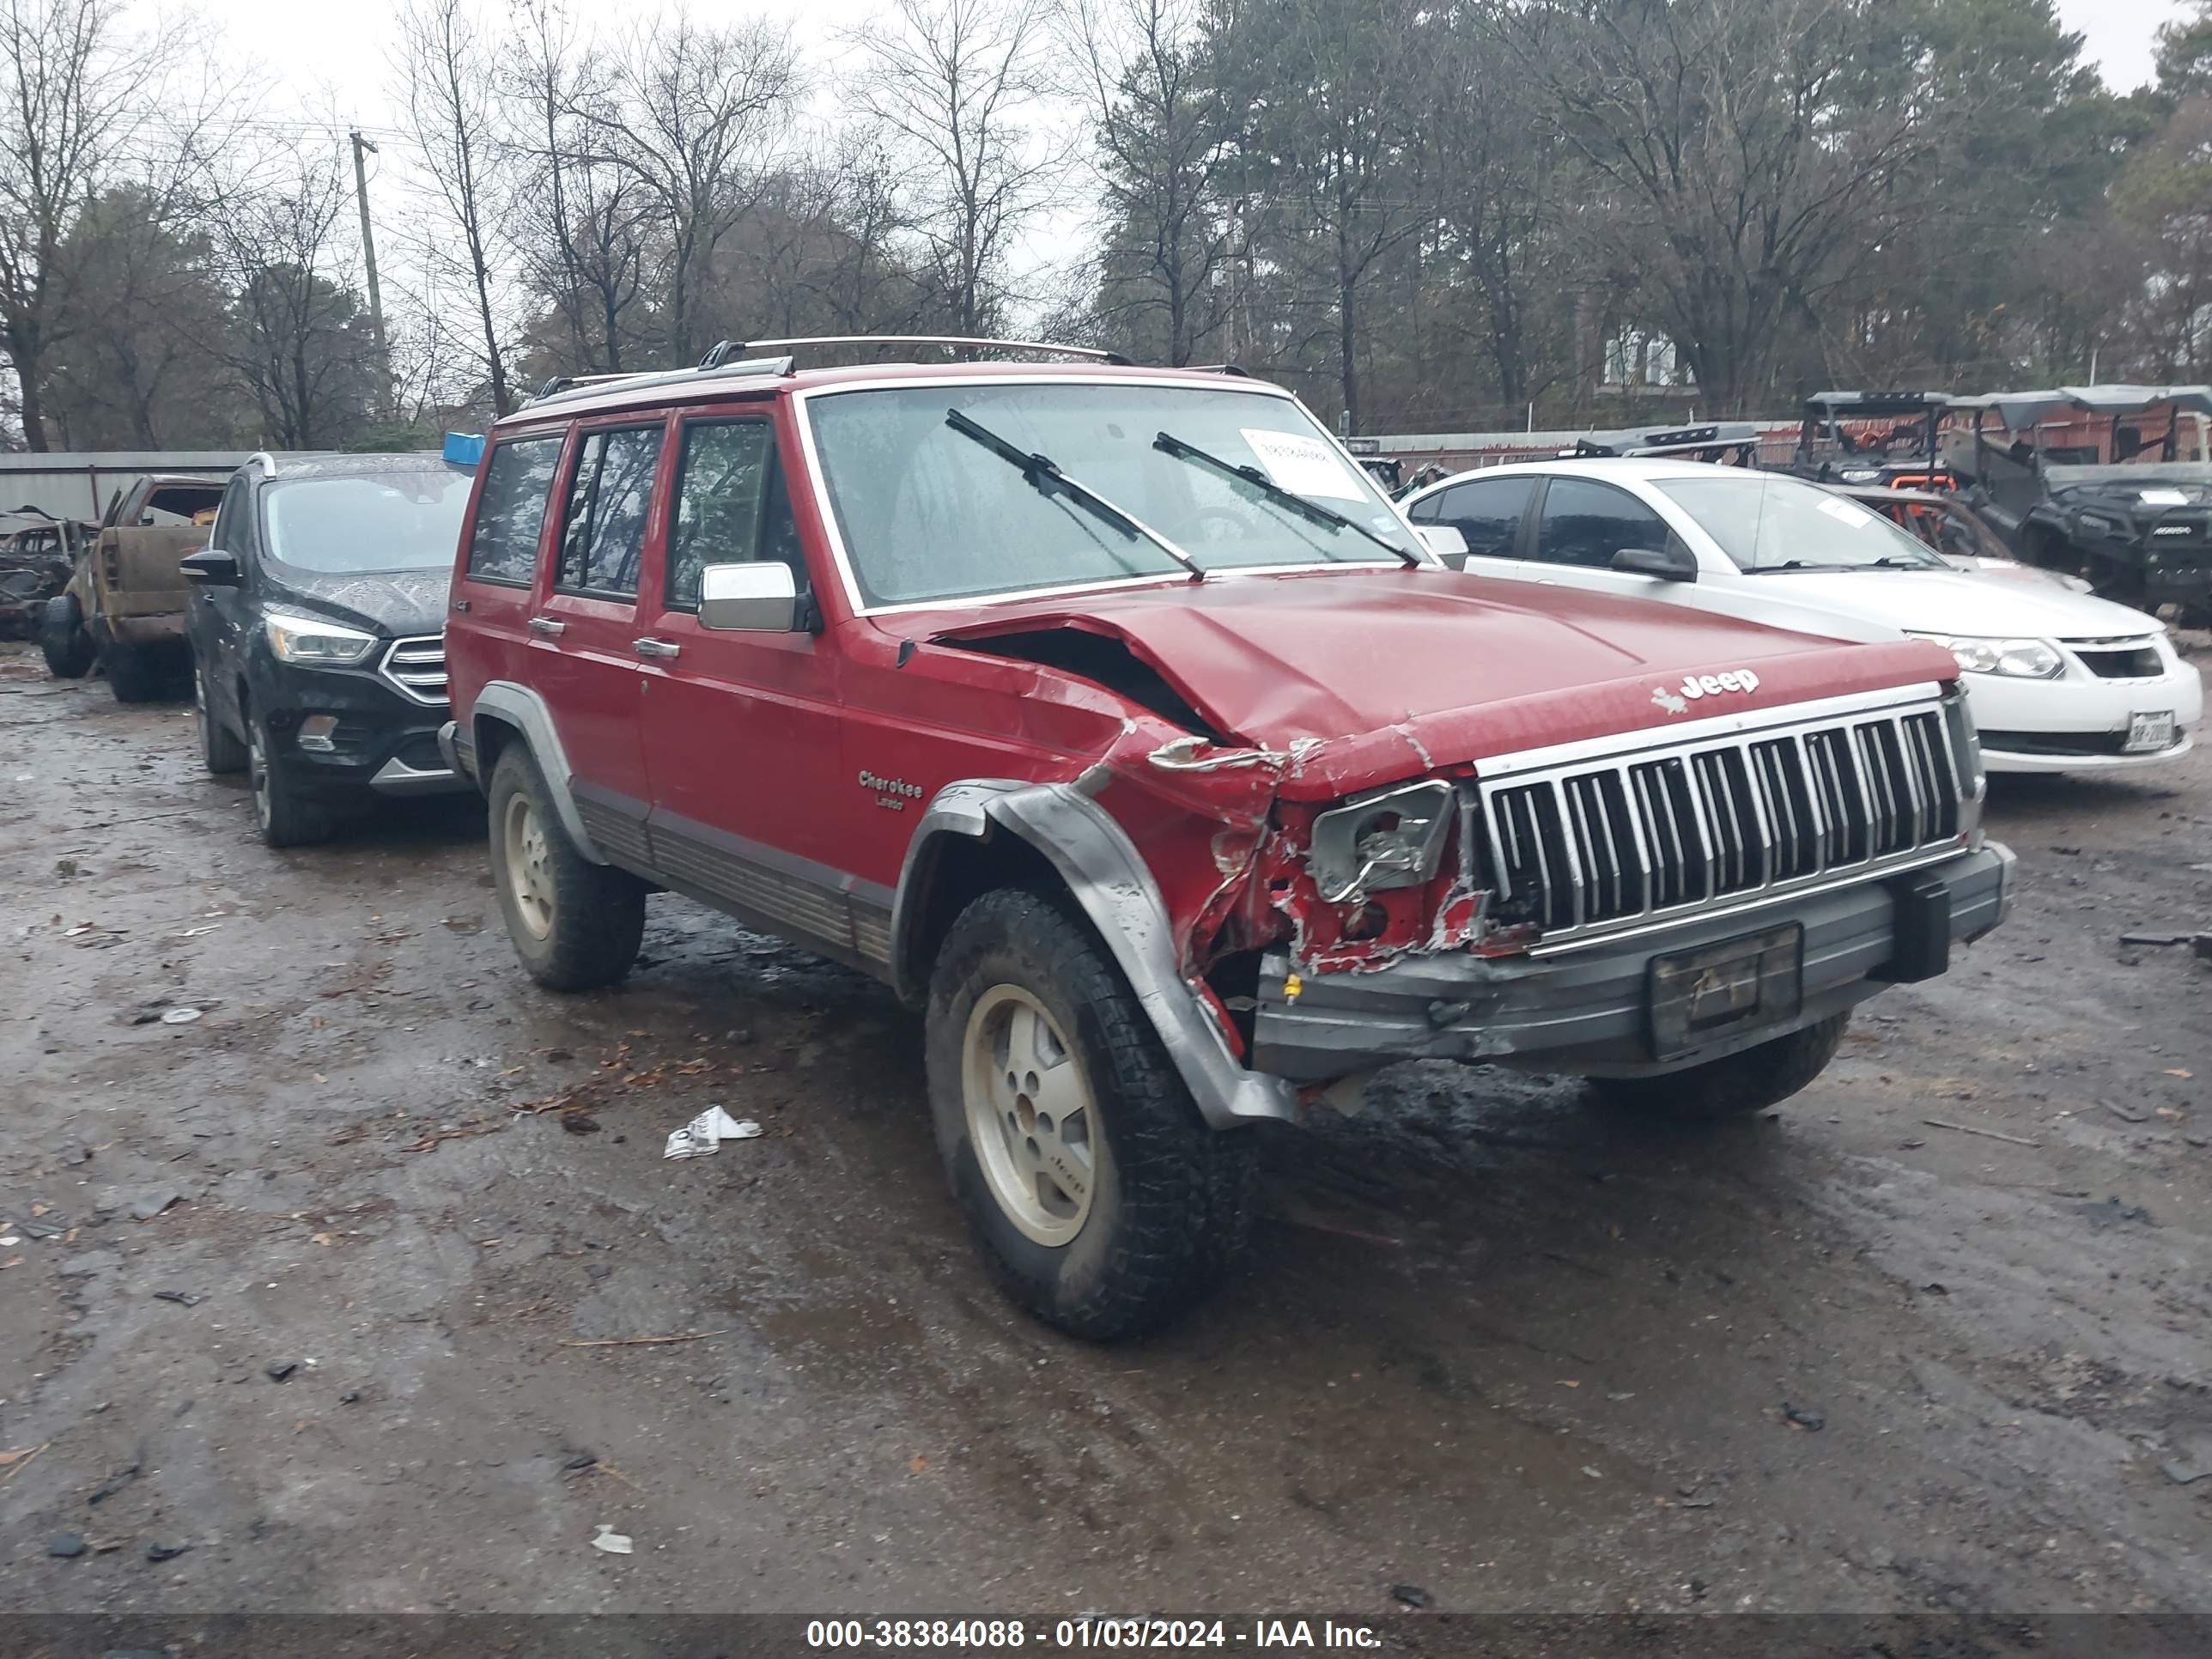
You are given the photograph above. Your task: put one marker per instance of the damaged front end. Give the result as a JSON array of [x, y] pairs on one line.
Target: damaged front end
[[1320, 918]]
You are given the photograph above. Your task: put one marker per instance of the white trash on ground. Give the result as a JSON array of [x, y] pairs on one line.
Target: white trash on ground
[[613, 1542], [704, 1132]]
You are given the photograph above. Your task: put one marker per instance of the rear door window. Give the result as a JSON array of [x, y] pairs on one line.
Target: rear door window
[[1487, 512], [511, 510], [603, 532], [1585, 523]]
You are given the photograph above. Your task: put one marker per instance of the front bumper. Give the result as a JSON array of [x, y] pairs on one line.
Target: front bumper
[[1585, 1009], [383, 743], [2077, 722]]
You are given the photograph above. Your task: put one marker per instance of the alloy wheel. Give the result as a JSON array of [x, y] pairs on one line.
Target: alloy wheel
[[529, 867], [1031, 1116]]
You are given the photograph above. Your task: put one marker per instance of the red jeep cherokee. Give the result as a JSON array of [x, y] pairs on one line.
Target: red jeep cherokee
[[1114, 717]]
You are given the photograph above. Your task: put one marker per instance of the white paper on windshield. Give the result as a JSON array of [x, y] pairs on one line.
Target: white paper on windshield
[[2164, 498], [1304, 465], [1844, 513]]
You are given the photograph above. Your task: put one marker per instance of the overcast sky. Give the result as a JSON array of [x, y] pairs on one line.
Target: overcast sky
[[333, 57], [344, 46]]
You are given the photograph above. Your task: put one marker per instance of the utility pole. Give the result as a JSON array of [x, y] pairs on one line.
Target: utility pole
[[360, 147]]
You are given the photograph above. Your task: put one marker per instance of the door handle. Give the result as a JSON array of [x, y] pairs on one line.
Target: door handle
[[660, 648], [547, 625]]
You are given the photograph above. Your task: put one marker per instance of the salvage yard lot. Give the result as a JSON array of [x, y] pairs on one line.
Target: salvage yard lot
[[1493, 1344]]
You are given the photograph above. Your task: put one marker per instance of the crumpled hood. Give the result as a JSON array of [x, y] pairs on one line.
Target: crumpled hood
[[396, 602], [1958, 602], [1370, 677]]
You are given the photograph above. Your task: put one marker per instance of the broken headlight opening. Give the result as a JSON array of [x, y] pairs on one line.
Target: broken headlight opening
[[1392, 839]]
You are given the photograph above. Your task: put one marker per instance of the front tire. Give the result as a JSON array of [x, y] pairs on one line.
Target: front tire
[[1735, 1085], [220, 751], [1101, 1203], [67, 649], [575, 925], [283, 811]]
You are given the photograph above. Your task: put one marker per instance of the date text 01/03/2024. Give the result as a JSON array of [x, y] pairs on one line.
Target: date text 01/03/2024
[[1087, 1631]]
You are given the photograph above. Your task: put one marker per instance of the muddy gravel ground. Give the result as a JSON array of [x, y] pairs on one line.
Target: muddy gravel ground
[[347, 1283]]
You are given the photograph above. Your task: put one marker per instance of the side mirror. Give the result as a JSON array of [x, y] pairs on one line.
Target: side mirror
[[749, 599], [1670, 563], [1445, 541], [211, 568]]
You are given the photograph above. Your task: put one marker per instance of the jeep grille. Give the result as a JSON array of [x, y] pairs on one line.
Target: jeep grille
[[1611, 843]]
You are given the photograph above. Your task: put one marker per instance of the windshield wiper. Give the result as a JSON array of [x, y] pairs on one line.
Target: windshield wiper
[[1047, 479], [1167, 443]]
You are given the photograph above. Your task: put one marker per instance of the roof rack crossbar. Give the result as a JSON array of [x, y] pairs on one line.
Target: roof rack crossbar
[[960, 341]]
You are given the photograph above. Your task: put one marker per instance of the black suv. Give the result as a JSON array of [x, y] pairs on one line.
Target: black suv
[[319, 657]]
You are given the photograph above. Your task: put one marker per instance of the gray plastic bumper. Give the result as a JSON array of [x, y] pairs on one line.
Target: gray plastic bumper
[[1585, 1009]]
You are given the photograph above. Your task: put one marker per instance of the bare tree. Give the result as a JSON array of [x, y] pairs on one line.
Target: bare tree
[[1159, 137], [71, 83], [1729, 170], [446, 82], [298, 341], [1333, 95], [693, 115], [953, 85]]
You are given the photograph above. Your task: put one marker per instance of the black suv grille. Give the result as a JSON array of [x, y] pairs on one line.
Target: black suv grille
[[1597, 844], [417, 666]]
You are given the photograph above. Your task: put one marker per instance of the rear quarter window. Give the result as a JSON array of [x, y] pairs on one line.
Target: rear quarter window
[[511, 510]]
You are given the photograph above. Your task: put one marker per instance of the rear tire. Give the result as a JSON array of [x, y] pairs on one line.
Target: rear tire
[[1102, 1202], [1736, 1085], [220, 751], [137, 673], [284, 810], [575, 925], [69, 650]]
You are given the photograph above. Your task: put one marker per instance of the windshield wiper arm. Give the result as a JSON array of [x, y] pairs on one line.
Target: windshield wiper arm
[[1168, 443], [1045, 475]]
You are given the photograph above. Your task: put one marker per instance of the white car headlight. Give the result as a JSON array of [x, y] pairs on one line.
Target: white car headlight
[[2024, 659], [314, 642]]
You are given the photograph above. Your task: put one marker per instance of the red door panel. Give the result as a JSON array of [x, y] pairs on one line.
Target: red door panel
[[585, 632], [740, 735]]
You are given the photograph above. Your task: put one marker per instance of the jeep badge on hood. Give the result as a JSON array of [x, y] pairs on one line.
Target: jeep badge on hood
[[1693, 686]]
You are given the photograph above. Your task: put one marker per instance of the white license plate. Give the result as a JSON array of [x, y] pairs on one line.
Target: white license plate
[[2150, 732]]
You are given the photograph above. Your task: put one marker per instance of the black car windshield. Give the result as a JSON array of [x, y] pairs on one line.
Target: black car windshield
[[1765, 521], [378, 521], [928, 513]]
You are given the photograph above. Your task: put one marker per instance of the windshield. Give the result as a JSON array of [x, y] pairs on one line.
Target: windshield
[[354, 527], [1765, 521], [928, 512]]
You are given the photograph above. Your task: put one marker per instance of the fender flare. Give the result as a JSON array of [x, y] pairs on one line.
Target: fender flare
[[1109, 881], [519, 707]]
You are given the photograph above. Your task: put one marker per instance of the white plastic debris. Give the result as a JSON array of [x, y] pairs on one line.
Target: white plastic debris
[[704, 1132], [613, 1542], [179, 1016]]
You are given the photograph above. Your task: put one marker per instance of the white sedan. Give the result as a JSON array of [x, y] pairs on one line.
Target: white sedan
[[2058, 681]]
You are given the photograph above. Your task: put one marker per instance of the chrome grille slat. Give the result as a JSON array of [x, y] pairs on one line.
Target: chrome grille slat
[[1595, 845], [416, 666]]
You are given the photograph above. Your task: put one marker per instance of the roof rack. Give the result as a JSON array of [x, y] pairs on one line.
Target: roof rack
[[576, 386], [729, 347], [723, 358]]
